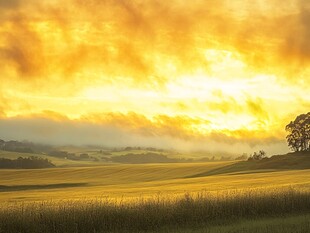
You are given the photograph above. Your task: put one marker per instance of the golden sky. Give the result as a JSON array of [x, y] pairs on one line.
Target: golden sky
[[208, 74]]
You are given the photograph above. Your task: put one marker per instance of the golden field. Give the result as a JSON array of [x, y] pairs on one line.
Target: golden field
[[270, 195], [136, 181]]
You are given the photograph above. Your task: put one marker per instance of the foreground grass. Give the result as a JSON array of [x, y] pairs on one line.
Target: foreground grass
[[209, 210], [286, 224]]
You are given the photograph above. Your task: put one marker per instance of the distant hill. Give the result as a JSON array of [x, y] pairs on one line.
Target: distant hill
[[290, 161]]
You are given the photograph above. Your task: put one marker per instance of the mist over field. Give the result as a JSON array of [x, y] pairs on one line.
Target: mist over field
[[60, 133]]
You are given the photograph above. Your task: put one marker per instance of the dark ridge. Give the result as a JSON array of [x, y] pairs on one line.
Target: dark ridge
[[290, 161]]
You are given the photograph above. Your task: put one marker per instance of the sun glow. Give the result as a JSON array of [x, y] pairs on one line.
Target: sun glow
[[159, 71]]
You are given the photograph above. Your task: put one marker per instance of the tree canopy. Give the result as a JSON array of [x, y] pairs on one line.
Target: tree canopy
[[298, 138], [25, 163]]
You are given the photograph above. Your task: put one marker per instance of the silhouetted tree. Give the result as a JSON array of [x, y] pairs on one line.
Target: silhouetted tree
[[299, 133], [258, 155]]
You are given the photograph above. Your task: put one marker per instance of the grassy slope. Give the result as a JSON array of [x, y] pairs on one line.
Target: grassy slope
[[290, 161]]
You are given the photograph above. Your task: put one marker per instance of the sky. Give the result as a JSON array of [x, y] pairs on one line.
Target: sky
[[214, 75]]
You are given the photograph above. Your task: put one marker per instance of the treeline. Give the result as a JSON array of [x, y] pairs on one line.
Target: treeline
[[71, 156], [25, 163], [143, 158], [23, 147], [133, 148]]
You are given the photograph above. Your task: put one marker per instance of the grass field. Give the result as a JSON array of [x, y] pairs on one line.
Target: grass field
[[137, 180], [135, 187]]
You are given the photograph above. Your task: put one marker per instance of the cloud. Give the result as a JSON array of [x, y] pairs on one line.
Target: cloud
[[257, 109], [23, 49], [146, 43], [132, 130], [183, 128], [157, 126], [53, 52], [4, 4], [296, 46]]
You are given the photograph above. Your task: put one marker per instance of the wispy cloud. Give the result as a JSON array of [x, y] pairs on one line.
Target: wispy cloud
[[136, 40], [205, 70]]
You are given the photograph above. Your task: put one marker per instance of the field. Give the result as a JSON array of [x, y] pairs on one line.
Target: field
[[176, 188], [130, 181]]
